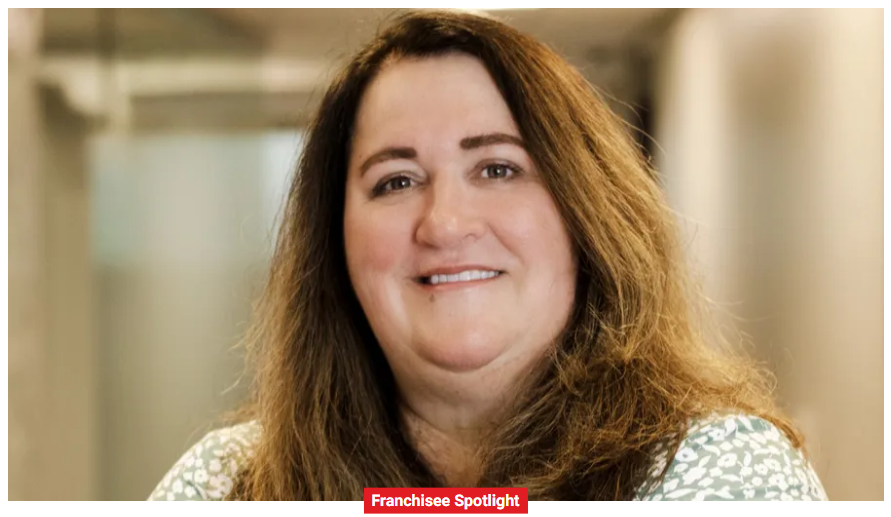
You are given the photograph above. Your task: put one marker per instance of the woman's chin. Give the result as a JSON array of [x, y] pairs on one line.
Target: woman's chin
[[462, 358]]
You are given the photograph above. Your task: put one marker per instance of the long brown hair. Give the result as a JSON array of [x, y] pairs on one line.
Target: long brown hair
[[634, 366]]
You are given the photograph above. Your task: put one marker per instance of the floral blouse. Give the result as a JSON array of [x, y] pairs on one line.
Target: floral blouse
[[735, 457]]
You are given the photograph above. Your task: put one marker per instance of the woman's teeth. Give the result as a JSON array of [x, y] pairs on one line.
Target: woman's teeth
[[464, 276]]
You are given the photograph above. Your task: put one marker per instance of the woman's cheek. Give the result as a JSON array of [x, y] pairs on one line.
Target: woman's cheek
[[378, 247], [524, 215]]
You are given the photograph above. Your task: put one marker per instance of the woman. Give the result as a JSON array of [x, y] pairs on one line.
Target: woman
[[478, 283]]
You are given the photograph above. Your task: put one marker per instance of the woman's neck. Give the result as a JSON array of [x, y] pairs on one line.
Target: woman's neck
[[447, 415], [448, 426], [449, 450]]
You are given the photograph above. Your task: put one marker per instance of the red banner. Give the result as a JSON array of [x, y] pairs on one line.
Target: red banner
[[446, 500]]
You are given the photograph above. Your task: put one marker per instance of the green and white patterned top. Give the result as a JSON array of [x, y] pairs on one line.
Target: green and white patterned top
[[734, 457]]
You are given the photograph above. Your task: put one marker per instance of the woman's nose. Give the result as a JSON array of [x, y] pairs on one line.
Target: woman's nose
[[451, 218]]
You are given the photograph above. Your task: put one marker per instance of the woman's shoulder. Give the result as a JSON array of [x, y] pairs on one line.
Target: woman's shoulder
[[735, 457], [208, 470]]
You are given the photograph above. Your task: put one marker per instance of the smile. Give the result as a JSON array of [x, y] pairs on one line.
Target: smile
[[464, 276]]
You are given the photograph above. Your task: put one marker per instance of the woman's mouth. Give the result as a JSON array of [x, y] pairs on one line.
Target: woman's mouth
[[470, 275]]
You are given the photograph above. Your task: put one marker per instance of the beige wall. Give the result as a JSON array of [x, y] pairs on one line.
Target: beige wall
[[181, 241], [772, 130], [28, 305], [52, 378], [72, 358]]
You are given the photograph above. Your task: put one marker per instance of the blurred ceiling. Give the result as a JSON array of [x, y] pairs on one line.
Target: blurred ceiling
[[273, 61], [328, 33], [311, 33], [135, 33]]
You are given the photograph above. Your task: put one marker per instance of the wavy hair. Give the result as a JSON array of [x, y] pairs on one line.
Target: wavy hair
[[636, 363]]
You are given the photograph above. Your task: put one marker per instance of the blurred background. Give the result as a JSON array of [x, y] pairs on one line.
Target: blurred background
[[149, 153]]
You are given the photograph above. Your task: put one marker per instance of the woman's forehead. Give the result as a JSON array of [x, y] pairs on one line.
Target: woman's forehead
[[413, 99]]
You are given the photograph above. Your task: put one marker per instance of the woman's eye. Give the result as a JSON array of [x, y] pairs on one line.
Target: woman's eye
[[498, 171], [392, 185]]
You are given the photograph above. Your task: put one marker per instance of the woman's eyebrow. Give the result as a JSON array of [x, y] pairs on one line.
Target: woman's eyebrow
[[389, 153], [408, 153], [474, 142]]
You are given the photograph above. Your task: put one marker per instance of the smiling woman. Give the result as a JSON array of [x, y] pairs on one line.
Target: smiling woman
[[456, 250], [477, 283]]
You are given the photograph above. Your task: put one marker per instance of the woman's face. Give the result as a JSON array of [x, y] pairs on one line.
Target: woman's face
[[455, 248]]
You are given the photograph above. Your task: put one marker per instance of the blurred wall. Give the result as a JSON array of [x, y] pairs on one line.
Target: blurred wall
[[771, 126], [72, 360], [182, 230], [28, 311], [52, 375]]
